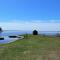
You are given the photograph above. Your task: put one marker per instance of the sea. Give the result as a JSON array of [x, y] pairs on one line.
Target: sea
[[21, 32], [7, 33]]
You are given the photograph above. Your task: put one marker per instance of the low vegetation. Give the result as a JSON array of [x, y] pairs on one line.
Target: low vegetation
[[32, 47]]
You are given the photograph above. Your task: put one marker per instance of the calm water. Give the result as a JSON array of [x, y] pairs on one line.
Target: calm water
[[18, 32], [7, 33], [49, 32], [11, 32]]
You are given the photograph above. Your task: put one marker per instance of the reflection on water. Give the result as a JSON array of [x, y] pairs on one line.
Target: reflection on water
[[6, 35], [7, 40]]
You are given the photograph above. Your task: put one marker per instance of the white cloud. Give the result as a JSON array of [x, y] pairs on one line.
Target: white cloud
[[30, 25]]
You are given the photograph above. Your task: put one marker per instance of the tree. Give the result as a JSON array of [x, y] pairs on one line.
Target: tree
[[35, 32]]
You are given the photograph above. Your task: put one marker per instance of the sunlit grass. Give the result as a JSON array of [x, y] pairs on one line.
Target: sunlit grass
[[32, 48]]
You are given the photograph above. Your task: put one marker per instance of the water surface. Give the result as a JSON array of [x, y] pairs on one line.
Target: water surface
[[7, 33]]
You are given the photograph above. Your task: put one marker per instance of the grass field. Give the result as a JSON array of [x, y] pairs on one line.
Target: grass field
[[32, 48]]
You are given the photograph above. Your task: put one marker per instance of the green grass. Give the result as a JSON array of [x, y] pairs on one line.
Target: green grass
[[32, 48]]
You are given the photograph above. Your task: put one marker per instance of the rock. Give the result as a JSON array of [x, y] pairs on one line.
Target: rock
[[1, 38], [35, 32], [1, 29], [12, 36]]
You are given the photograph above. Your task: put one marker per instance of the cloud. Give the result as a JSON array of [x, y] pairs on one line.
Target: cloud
[[31, 25]]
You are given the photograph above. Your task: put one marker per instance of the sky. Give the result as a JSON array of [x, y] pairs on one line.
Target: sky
[[43, 15]]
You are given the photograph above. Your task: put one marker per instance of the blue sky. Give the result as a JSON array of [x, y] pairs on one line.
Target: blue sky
[[30, 14]]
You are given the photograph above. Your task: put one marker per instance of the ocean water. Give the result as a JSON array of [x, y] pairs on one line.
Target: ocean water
[[49, 32], [19, 32], [7, 33], [11, 32]]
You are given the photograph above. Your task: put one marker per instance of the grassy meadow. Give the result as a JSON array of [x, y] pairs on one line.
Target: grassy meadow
[[32, 47]]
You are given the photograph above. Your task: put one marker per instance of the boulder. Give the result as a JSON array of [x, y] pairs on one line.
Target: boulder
[[35, 32], [13, 36], [1, 38]]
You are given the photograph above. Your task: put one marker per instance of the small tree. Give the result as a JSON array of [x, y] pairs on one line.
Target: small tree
[[35, 32]]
